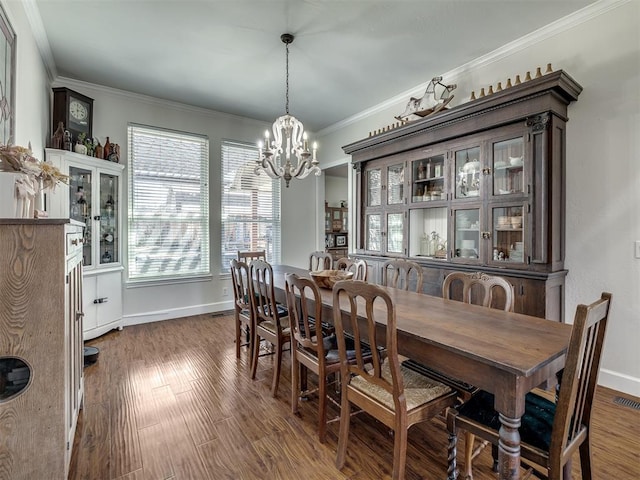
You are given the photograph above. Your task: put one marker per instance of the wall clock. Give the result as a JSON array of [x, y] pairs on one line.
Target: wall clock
[[74, 110]]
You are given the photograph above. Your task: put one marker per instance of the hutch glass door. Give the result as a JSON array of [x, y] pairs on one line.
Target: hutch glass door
[[80, 207]]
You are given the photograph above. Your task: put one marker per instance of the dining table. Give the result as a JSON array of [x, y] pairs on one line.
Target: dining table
[[505, 353]]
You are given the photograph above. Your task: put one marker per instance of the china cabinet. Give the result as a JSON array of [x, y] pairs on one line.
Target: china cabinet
[[41, 351], [94, 197], [336, 226], [484, 185]]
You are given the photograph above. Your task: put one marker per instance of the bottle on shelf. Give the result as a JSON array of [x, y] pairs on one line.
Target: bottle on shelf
[[106, 257], [433, 243], [108, 206]]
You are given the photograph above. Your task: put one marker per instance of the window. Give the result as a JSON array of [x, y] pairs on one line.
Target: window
[[168, 204], [250, 205]]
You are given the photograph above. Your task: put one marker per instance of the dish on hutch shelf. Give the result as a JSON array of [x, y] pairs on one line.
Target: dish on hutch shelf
[[515, 161]]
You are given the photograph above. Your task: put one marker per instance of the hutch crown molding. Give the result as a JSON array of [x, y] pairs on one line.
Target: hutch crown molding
[[479, 187]]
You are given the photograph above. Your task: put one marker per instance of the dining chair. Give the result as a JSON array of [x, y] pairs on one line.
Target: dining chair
[[271, 320], [309, 349], [396, 396], [320, 261], [243, 311], [355, 265], [550, 432], [489, 291], [399, 273], [248, 256], [480, 289]]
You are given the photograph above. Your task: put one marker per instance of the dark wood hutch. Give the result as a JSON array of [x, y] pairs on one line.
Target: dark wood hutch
[[478, 187]]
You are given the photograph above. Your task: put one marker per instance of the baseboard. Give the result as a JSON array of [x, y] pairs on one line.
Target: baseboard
[[620, 382], [148, 317]]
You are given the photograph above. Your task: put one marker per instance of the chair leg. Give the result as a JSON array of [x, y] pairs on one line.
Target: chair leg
[[276, 368], [345, 419], [585, 460], [295, 380], [452, 468], [322, 408], [238, 335], [400, 435], [494, 454], [255, 339], [469, 440]]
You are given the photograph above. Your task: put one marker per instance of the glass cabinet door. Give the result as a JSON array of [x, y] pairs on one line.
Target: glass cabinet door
[[373, 232], [428, 181], [80, 208], [395, 232], [508, 166], [508, 234], [468, 172], [374, 187], [395, 184], [109, 221], [467, 233]]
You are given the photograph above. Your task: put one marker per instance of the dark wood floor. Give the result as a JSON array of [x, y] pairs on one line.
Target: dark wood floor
[[169, 400]]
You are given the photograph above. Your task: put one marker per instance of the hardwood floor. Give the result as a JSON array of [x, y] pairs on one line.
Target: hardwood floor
[[169, 400]]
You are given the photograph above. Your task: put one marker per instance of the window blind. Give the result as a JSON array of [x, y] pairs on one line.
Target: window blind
[[250, 205], [168, 215]]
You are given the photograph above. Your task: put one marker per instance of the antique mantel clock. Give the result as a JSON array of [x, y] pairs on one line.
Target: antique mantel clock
[[74, 110]]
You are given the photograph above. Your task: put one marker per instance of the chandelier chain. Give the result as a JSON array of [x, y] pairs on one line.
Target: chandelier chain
[[287, 93]]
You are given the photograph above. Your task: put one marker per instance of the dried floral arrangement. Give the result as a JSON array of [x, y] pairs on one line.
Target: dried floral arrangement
[[14, 158]]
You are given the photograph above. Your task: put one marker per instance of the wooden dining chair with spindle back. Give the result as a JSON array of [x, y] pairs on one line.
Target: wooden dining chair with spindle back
[[355, 265], [396, 396], [551, 432], [403, 274], [320, 261], [271, 319]]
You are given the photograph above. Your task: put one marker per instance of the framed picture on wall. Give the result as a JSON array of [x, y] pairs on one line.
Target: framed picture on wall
[[341, 240], [7, 79]]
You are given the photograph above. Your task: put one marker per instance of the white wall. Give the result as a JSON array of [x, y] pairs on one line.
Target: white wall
[[600, 49], [32, 85], [336, 189]]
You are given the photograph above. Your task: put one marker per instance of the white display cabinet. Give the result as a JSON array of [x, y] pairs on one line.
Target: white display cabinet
[[94, 197]]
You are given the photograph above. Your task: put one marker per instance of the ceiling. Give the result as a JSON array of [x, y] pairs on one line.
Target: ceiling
[[348, 55]]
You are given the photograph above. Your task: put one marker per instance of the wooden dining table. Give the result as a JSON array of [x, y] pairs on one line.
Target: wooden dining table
[[507, 354]]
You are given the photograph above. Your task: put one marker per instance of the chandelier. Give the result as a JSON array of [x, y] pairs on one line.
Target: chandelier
[[289, 140]]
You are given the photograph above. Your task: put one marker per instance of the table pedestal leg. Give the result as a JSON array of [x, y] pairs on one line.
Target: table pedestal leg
[[509, 448]]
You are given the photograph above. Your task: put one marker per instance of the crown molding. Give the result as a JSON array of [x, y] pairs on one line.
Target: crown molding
[[34, 18], [139, 97], [563, 24]]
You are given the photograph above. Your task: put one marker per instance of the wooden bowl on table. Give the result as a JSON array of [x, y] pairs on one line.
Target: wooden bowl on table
[[328, 278]]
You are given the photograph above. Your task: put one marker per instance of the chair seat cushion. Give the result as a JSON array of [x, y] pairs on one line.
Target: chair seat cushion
[[271, 326], [332, 354], [418, 389], [537, 421]]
